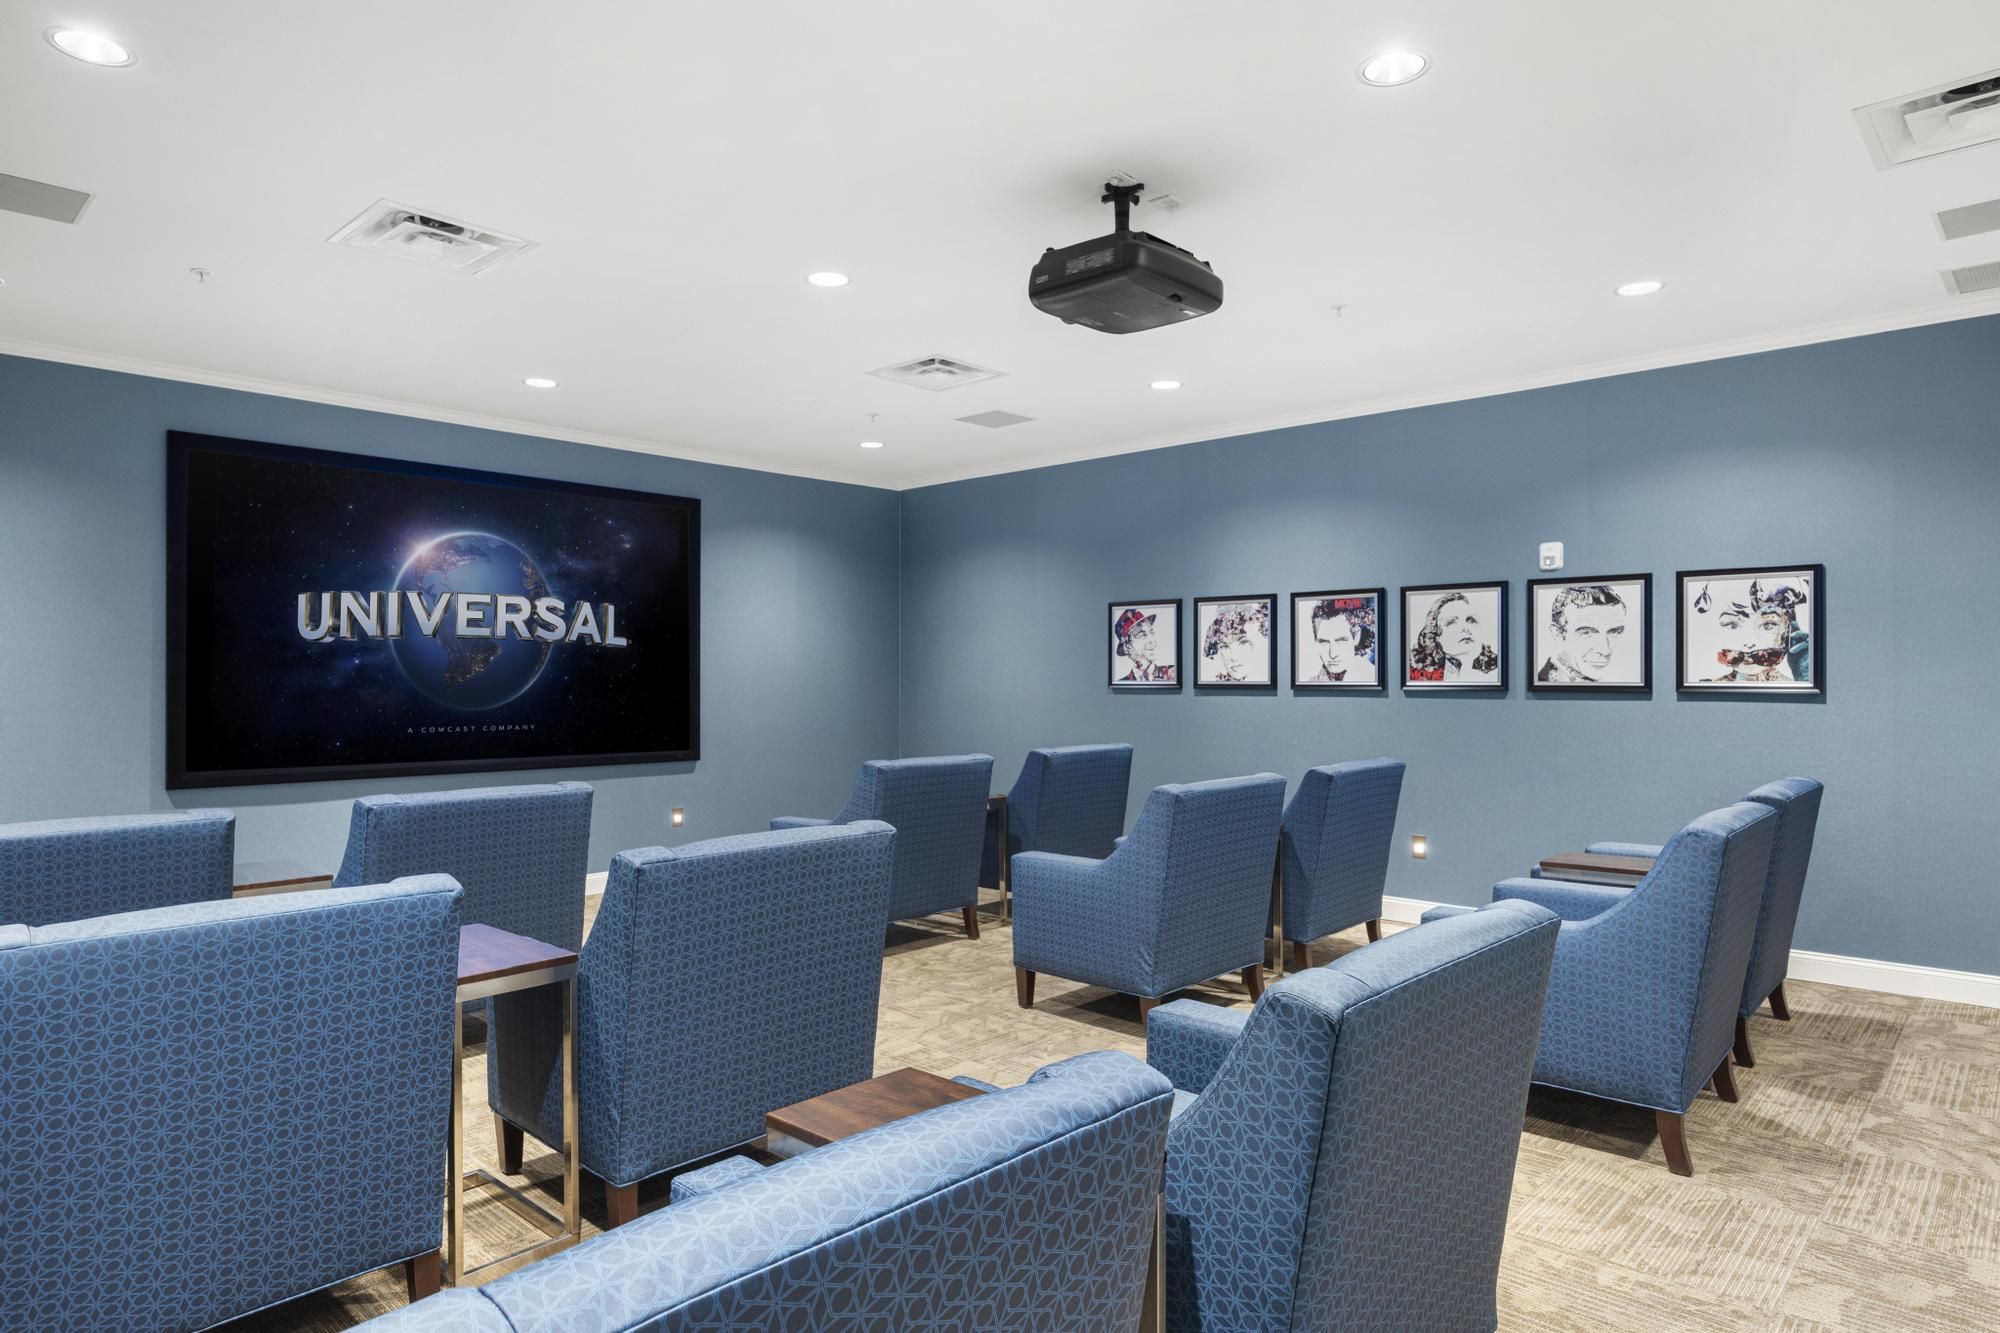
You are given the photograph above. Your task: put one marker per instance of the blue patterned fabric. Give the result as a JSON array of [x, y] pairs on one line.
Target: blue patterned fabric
[[1567, 899], [1184, 898], [1030, 1208], [242, 1101], [1365, 1117], [1649, 850], [1642, 1006], [1069, 800], [1335, 846], [520, 853], [693, 1184], [679, 1055], [938, 808], [72, 869]]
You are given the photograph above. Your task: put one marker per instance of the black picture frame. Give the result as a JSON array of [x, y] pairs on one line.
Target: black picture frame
[[1815, 603], [1114, 610], [1270, 681], [1539, 660], [181, 445], [1381, 600], [1497, 685]]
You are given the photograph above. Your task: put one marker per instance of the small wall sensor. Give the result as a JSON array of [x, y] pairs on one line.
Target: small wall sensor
[[1420, 847], [679, 816], [1552, 555]]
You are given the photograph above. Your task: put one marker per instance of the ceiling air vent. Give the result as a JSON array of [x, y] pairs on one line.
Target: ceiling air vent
[[39, 199], [1952, 115], [390, 228], [995, 420], [1973, 278], [937, 373], [1969, 220]]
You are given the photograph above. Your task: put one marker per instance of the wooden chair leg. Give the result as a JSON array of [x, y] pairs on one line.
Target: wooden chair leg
[[1374, 930], [621, 1204], [508, 1137], [1673, 1138], [1301, 955], [971, 921], [1024, 988], [1147, 1003], [423, 1275], [1253, 980], [1724, 1081], [1779, 1009], [1743, 1056]]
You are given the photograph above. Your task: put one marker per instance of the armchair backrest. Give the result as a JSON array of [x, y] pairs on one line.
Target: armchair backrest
[[1370, 1111], [179, 1080], [1335, 845], [520, 853], [897, 1227], [72, 869], [1209, 848], [1070, 800], [937, 806], [1797, 802], [667, 1023]]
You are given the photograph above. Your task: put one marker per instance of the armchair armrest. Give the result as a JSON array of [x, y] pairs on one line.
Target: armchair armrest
[[1649, 850], [1443, 910], [715, 1176], [1568, 900], [1187, 1041], [798, 821]]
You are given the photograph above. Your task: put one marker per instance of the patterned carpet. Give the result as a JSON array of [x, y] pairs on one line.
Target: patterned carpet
[[1856, 1186]]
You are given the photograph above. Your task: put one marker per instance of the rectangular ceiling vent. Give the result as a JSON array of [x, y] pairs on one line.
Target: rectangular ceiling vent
[[1952, 115], [426, 237], [937, 373], [995, 420], [39, 199], [1969, 220], [1973, 279]]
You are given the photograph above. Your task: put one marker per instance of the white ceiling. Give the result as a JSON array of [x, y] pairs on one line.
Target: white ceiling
[[684, 166]]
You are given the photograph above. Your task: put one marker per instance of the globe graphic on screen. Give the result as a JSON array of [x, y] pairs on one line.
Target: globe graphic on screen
[[468, 673]]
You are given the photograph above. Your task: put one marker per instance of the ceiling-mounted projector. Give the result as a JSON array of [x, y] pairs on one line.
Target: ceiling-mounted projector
[[1125, 282]]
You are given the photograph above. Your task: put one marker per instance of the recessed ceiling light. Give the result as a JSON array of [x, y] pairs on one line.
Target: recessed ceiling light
[[871, 444], [827, 279], [1166, 384], [89, 47], [539, 382], [1393, 67], [1644, 288]]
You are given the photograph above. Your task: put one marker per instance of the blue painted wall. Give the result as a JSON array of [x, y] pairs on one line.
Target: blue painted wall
[[798, 604], [1879, 457]]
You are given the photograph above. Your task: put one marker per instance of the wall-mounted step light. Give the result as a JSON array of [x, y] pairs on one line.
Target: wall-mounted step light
[[1420, 847]]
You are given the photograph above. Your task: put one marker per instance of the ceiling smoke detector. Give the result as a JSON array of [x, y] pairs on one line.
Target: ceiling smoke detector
[[424, 237], [937, 373], [1952, 115]]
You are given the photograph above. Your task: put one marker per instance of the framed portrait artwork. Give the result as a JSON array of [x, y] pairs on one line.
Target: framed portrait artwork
[[1146, 645], [1455, 637], [1236, 642], [1760, 630], [1337, 639], [1591, 634]]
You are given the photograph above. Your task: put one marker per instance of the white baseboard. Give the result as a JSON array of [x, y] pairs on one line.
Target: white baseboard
[[1831, 969], [594, 884]]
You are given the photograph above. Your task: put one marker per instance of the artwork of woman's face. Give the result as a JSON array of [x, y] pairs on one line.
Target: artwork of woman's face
[[1237, 655], [1758, 637], [1459, 630]]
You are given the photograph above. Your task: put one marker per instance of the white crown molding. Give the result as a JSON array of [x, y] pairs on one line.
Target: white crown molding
[[160, 370], [1962, 308], [1832, 969]]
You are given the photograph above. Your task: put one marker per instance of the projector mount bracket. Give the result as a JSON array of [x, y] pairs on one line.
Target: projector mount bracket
[[1121, 198]]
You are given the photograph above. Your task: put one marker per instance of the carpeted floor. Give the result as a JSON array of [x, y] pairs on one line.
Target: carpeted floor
[[1856, 1185]]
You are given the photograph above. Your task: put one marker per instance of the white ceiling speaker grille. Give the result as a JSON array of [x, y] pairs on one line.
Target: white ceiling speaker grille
[[1973, 278], [936, 373], [425, 237], [1969, 220], [1952, 115], [994, 420], [39, 199]]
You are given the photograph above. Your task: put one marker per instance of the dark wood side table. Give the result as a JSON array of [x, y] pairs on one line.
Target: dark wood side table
[[803, 1126], [257, 877], [496, 962], [1596, 868]]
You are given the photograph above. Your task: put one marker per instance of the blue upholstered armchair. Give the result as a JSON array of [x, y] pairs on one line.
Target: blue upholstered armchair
[[677, 1057], [521, 853], [1797, 802], [243, 1101], [71, 869], [1030, 1208], [1361, 1122], [1069, 800], [938, 808], [1184, 898], [1334, 851], [1642, 1003]]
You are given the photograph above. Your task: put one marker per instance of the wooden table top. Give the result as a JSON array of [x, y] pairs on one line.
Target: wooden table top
[[1596, 863], [844, 1112], [273, 876], [485, 952]]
